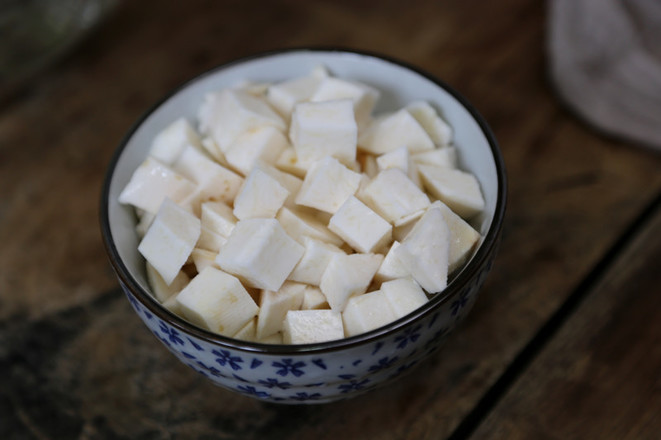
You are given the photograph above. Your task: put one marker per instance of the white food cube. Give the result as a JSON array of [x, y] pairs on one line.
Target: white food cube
[[146, 219], [457, 189], [226, 114], [274, 305], [438, 130], [218, 217], [214, 182], [290, 182], [151, 183], [320, 129], [313, 298], [203, 258], [392, 194], [387, 133], [260, 252], [275, 338], [327, 185], [398, 158], [170, 239], [258, 144], [370, 166], [300, 225], [213, 150], [283, 96], [346, 276], [217, 301], [403, 295], [391, 268], [260, 196], [366, 312], [312, 265], [425, 251], [210, 240], [463, 238], [312, 326], [247, 332], [441, 157], [162, 290], [289, 163], [363, 96], [362, 228], [171, 141]]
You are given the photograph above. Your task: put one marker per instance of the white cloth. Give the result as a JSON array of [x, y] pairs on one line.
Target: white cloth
[[605, 62]]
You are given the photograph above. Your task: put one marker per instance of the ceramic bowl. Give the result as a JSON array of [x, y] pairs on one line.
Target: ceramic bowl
[[326, 371]]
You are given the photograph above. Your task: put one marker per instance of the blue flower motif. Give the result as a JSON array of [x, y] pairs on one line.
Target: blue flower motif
[[188, 355], [213, 370], [252, 391], [195, 345], [459, 303], [171, 334], [433, 320], [274, 383], [302, 396], [410, 335], [148, 315], [354, 385], [288, 366], [377, 347], [226, 358], [255, 363], [383, 363], [134, 302], [319, 363]]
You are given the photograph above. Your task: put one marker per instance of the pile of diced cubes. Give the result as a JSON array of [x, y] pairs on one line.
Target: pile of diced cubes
[[289, 213]]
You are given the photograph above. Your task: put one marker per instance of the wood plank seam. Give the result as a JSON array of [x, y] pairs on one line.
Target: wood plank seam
[[536, 344]]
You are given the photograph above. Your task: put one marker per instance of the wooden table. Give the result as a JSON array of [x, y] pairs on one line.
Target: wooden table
[[564, 342]]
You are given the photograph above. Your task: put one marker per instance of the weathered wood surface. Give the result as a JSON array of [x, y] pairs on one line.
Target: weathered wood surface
[[76, 363], [600, 376]]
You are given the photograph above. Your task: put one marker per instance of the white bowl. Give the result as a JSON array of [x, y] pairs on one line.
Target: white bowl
[[337, 369]]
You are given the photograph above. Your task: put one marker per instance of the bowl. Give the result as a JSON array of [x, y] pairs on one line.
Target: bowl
[[328, 371]]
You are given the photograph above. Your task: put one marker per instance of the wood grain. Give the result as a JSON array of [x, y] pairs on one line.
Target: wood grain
[[74, 359], [599, 377]]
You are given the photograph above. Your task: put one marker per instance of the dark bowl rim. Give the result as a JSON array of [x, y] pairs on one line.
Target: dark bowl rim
[[455, 286]]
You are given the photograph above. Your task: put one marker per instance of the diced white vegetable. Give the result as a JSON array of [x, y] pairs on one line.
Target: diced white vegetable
[[361, 227], [391, 268], [275, 338], [214, 182], [170, 239], [247, 332], [390, 132], [257, 144], [260, 252], [161, 290], [327, 185], [171, 141], [346, 276], [289, 181], [145, 222], [273, 307], [260, 196], [321, 129], [210, 240], [217, 301], [437, 129], [218, 217], [151, 183], [363, 96], [392, 194], [398, 158], [441, 157], [213, 150], [203, 258], [312, 265], [403, 295], [289, 163], [300, 225], [457, 189], [285, 95], [226, 114], [313, 298], [463, 238], [425, 251], [311, 326], [366, 312]]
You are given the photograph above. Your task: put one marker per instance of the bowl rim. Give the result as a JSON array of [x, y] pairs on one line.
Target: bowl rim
[[457, 284]]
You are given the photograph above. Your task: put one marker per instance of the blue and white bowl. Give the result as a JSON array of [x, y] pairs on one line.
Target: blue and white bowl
[[332, 370]]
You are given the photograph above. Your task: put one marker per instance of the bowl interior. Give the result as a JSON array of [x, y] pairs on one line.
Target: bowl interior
[[399, 85]]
